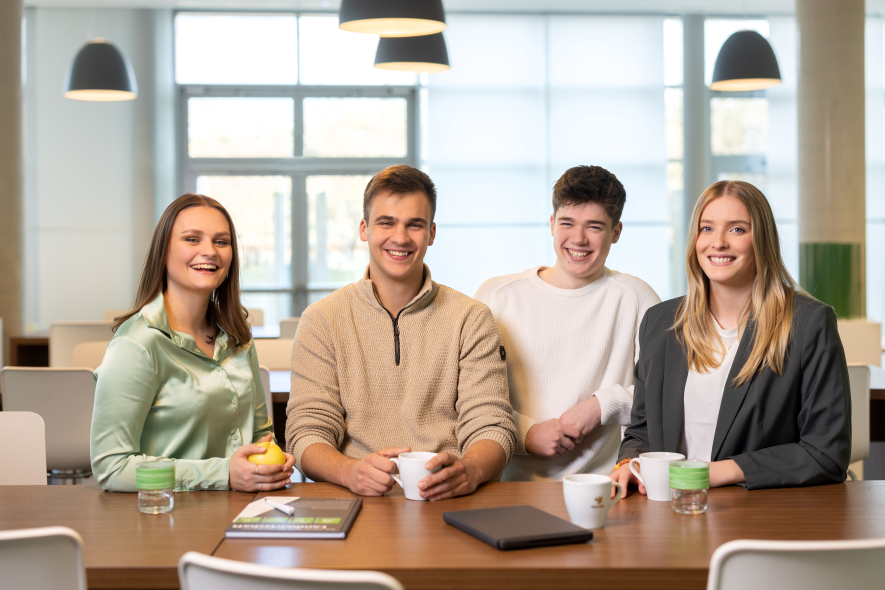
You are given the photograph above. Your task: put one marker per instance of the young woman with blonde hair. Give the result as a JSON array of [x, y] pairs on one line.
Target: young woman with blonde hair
[[180, 378], [744, 371]]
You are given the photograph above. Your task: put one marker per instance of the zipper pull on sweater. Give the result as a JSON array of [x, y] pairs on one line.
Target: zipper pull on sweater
[[396, 339]]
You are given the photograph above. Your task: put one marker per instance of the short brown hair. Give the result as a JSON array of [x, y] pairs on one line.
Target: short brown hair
[[399, 180], [590, 184]]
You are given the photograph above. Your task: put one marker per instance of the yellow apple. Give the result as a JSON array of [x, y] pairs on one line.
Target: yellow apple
[[273, 456]]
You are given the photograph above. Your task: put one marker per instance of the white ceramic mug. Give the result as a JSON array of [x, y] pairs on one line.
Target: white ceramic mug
[[411, 471], [655, 476], [588, 498]]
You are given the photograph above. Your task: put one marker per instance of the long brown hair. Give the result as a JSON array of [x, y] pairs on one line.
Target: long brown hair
[[771, 303], [225, 308]]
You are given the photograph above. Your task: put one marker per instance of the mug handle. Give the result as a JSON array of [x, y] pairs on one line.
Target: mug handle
[[396, 478], [636, 473], [619, 494]]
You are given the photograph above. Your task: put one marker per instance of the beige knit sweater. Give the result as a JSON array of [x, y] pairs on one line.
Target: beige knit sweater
[[441, 387]]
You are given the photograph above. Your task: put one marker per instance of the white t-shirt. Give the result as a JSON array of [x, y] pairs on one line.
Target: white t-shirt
[[564, 346], [703, 396]]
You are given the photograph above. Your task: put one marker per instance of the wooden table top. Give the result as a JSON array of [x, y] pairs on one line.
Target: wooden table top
[[124, 548], [645, 544]]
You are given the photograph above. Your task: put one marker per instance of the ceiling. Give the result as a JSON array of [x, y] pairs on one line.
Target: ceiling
[[706, 7]]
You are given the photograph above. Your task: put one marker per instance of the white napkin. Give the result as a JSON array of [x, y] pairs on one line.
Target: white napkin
[[259, 507]]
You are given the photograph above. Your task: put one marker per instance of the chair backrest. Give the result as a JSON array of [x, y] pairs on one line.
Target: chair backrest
[[50, 557], [274, 353], [89, 354], [859, 382], [288, 327], [27, 468], [202, 572], [265, 383], [256, 317], [810, 565], [64, 336], [64, 399]]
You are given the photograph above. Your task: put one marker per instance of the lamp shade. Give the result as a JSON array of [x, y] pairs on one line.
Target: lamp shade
[[745, 62], [392, 18], [426, 53], [100, 73]]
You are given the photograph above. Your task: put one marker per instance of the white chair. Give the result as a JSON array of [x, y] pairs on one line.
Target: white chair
[[64, 336], [202, 572], [256, 317], [288, 327], [809, 565], [89, 354], [274, 353], [859, 383], [64, 399], [26, 468], [265, 383], [50, 557]]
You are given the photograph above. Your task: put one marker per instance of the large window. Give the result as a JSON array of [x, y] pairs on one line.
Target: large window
[[284, 120]]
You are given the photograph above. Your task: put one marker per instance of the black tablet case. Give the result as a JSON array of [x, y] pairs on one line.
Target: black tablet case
[[517, 527]]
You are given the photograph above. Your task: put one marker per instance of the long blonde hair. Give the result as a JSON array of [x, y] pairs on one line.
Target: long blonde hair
[[770, 307]]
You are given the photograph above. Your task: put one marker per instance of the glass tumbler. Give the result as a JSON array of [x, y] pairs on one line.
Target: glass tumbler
[[155, 481], [689, 482]]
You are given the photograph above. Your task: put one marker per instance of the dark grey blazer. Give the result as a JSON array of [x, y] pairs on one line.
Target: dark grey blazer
[[789, 430]]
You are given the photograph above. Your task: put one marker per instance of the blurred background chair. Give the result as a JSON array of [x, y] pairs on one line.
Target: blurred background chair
[[43, 558], [288, 327], [202, 572], [28, 467], [809, 565], [256, 317], [64, 336], [89, 354], [274, 353], [859, 383], [265, 383], [64, 399]]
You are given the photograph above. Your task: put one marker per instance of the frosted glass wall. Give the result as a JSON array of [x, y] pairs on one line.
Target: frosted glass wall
[[527, 98]]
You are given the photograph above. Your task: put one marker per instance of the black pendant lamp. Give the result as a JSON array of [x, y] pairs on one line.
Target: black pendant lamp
[[100, 72], [392, 18], [745, 62], [426, 53]]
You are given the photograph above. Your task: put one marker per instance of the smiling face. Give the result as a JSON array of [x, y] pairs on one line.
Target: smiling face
[[725, 243], [582, 237], [398, 233], [200, 253]]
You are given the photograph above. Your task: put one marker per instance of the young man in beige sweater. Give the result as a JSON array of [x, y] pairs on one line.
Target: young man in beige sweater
[[396, 362]]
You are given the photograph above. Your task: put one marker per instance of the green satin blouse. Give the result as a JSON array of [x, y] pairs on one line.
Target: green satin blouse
[[158, 395]]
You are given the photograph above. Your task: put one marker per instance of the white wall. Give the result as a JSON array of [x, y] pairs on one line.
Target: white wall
[[91, 168]]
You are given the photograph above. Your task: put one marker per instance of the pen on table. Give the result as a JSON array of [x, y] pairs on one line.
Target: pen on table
[[285, 509]]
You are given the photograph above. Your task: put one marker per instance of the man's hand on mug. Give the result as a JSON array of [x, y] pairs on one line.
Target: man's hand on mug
[[454, 478], [626, 478], [370, 476], [551, 438]]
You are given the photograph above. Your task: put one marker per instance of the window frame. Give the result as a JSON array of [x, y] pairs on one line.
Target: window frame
[[298, 167]]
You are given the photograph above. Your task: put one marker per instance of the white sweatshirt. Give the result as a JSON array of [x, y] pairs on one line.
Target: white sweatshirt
[[564, 346]]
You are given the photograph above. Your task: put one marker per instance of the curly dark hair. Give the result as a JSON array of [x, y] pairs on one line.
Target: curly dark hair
[[590, 184]]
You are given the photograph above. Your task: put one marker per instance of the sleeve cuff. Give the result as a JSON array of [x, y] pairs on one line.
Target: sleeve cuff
[[523, 425], [301, 445], [616, 403], [501, 438]]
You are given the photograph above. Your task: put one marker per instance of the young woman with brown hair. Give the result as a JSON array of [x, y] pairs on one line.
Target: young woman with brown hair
[[180, 378], [745, 371]]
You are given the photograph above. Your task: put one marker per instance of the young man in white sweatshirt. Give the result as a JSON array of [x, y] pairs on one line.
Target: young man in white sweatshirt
[[570, 332]]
